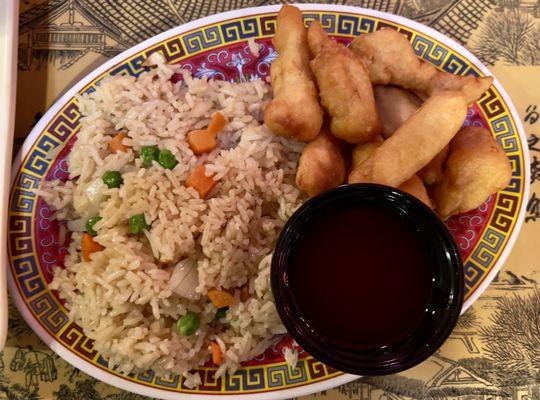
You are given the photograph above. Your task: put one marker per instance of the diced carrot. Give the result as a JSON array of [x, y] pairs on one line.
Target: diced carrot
[[201, 141], [244, 292], [116, 144], [200, 182], [217, 124], [89, 246], [216, 353], [220, 298]]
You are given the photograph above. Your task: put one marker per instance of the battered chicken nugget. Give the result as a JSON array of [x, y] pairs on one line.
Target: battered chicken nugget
[[390, 59], [414, 186], [361, 152], [321, 165], [295, 111], [415, 143], [395, 105], [345, 88], [316, 37], [476, 168], [433, 171]]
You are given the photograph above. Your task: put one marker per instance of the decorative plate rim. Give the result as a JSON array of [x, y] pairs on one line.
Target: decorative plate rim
[[288, 391]]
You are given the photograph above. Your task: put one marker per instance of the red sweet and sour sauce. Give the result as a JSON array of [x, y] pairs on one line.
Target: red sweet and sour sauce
[[361, 277]]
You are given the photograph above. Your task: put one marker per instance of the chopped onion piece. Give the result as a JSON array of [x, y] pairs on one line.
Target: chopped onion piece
[[95, 194], [77, 225], [185, 279]]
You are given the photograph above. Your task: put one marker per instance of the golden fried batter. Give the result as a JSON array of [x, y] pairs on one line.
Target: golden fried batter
[[433, 171], [476, 168], [414, 186], [395, 105], [390, 59], [345, 88], [361, 152], [321, 165], [295, 111], [317, 38], [415, 143]]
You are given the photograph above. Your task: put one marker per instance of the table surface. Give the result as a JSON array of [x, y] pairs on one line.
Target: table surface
[[494, 352]]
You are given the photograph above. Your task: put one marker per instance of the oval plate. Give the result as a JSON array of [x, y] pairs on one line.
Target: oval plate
[[216, 47]]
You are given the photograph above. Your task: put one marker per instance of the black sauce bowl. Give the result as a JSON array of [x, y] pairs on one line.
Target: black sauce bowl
[[444, 306]]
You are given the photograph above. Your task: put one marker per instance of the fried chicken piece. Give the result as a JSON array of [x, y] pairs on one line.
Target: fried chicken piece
[[414, 186], [415, 143], [316, 37], [390, 59], [395, 105], [295, 111], [476, 168], [321, 165], [361, 152], [433, 172], [345, 88]]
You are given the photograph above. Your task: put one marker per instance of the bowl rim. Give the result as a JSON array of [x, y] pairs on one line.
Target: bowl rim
[[309, 340]]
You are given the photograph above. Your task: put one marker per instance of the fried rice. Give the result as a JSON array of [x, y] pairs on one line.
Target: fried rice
[[128, 297]]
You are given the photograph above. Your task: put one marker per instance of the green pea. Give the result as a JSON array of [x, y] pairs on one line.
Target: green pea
[[149, 154], [167, 159], [90, 225], [112, 179], [188, 324], [221, 312], [137, 224]]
